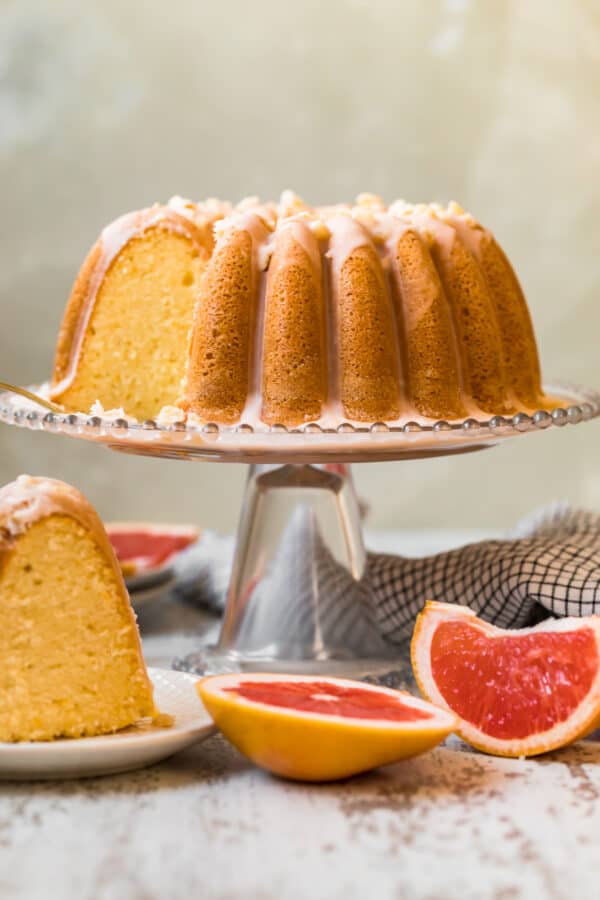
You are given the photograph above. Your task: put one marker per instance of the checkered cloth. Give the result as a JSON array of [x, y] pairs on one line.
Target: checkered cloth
[[548, 566]]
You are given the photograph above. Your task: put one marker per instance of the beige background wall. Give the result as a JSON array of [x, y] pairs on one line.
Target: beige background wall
[[109, 105]]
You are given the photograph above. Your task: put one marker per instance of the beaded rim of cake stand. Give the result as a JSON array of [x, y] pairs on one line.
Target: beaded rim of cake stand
[[581, 404]]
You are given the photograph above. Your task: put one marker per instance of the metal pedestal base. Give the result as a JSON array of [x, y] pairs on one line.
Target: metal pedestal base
[[299, 598]]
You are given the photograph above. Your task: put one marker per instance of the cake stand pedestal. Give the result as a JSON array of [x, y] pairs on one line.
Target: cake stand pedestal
[[299, 598]]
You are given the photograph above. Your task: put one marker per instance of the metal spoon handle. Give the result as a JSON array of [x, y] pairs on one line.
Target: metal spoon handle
[[23, 392]]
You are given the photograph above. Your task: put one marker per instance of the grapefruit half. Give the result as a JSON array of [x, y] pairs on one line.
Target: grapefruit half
[[517, 692], [320, 729]]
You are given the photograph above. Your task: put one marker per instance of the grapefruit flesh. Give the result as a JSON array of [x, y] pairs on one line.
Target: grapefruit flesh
[[535, 680], [142, 548], [516, 692], [320, 729], [330, 699]]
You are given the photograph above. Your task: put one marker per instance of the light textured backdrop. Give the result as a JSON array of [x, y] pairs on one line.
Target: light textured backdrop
[[106, 106]]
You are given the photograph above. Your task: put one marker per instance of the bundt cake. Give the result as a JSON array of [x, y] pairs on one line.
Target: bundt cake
[[287, 314], [71, 657]]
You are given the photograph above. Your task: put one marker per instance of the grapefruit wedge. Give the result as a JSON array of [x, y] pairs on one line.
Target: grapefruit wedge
[[320, 729], [517, 692]]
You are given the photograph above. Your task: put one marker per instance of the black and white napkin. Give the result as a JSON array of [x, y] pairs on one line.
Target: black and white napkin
[[548, 566]]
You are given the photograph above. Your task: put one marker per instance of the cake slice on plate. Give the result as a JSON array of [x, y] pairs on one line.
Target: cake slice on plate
[[72, 663]]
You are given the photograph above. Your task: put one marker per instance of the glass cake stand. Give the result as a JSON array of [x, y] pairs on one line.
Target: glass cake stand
[[299, 598]]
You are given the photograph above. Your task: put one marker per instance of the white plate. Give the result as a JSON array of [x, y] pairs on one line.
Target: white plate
[[131, 748]]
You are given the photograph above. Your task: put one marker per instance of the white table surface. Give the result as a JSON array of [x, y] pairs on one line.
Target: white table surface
[[207, 825]]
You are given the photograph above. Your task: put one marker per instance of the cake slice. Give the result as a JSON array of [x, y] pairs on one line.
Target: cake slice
[[124, 336], [72, 662]]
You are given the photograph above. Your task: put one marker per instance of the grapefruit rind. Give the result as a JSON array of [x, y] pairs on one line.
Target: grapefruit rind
[[312, 746], [584, 719]]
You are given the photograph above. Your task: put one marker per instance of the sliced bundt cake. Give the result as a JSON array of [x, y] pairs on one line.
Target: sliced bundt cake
[[270, 314]]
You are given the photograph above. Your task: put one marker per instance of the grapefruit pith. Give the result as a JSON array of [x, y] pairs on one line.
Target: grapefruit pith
[[517, 692], [320, 729]]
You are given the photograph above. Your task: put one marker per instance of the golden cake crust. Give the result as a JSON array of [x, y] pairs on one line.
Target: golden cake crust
[[294, 386], [218, 372], [368, 350], [475, 325], [514, 320], [74, 312], [431, 365]]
